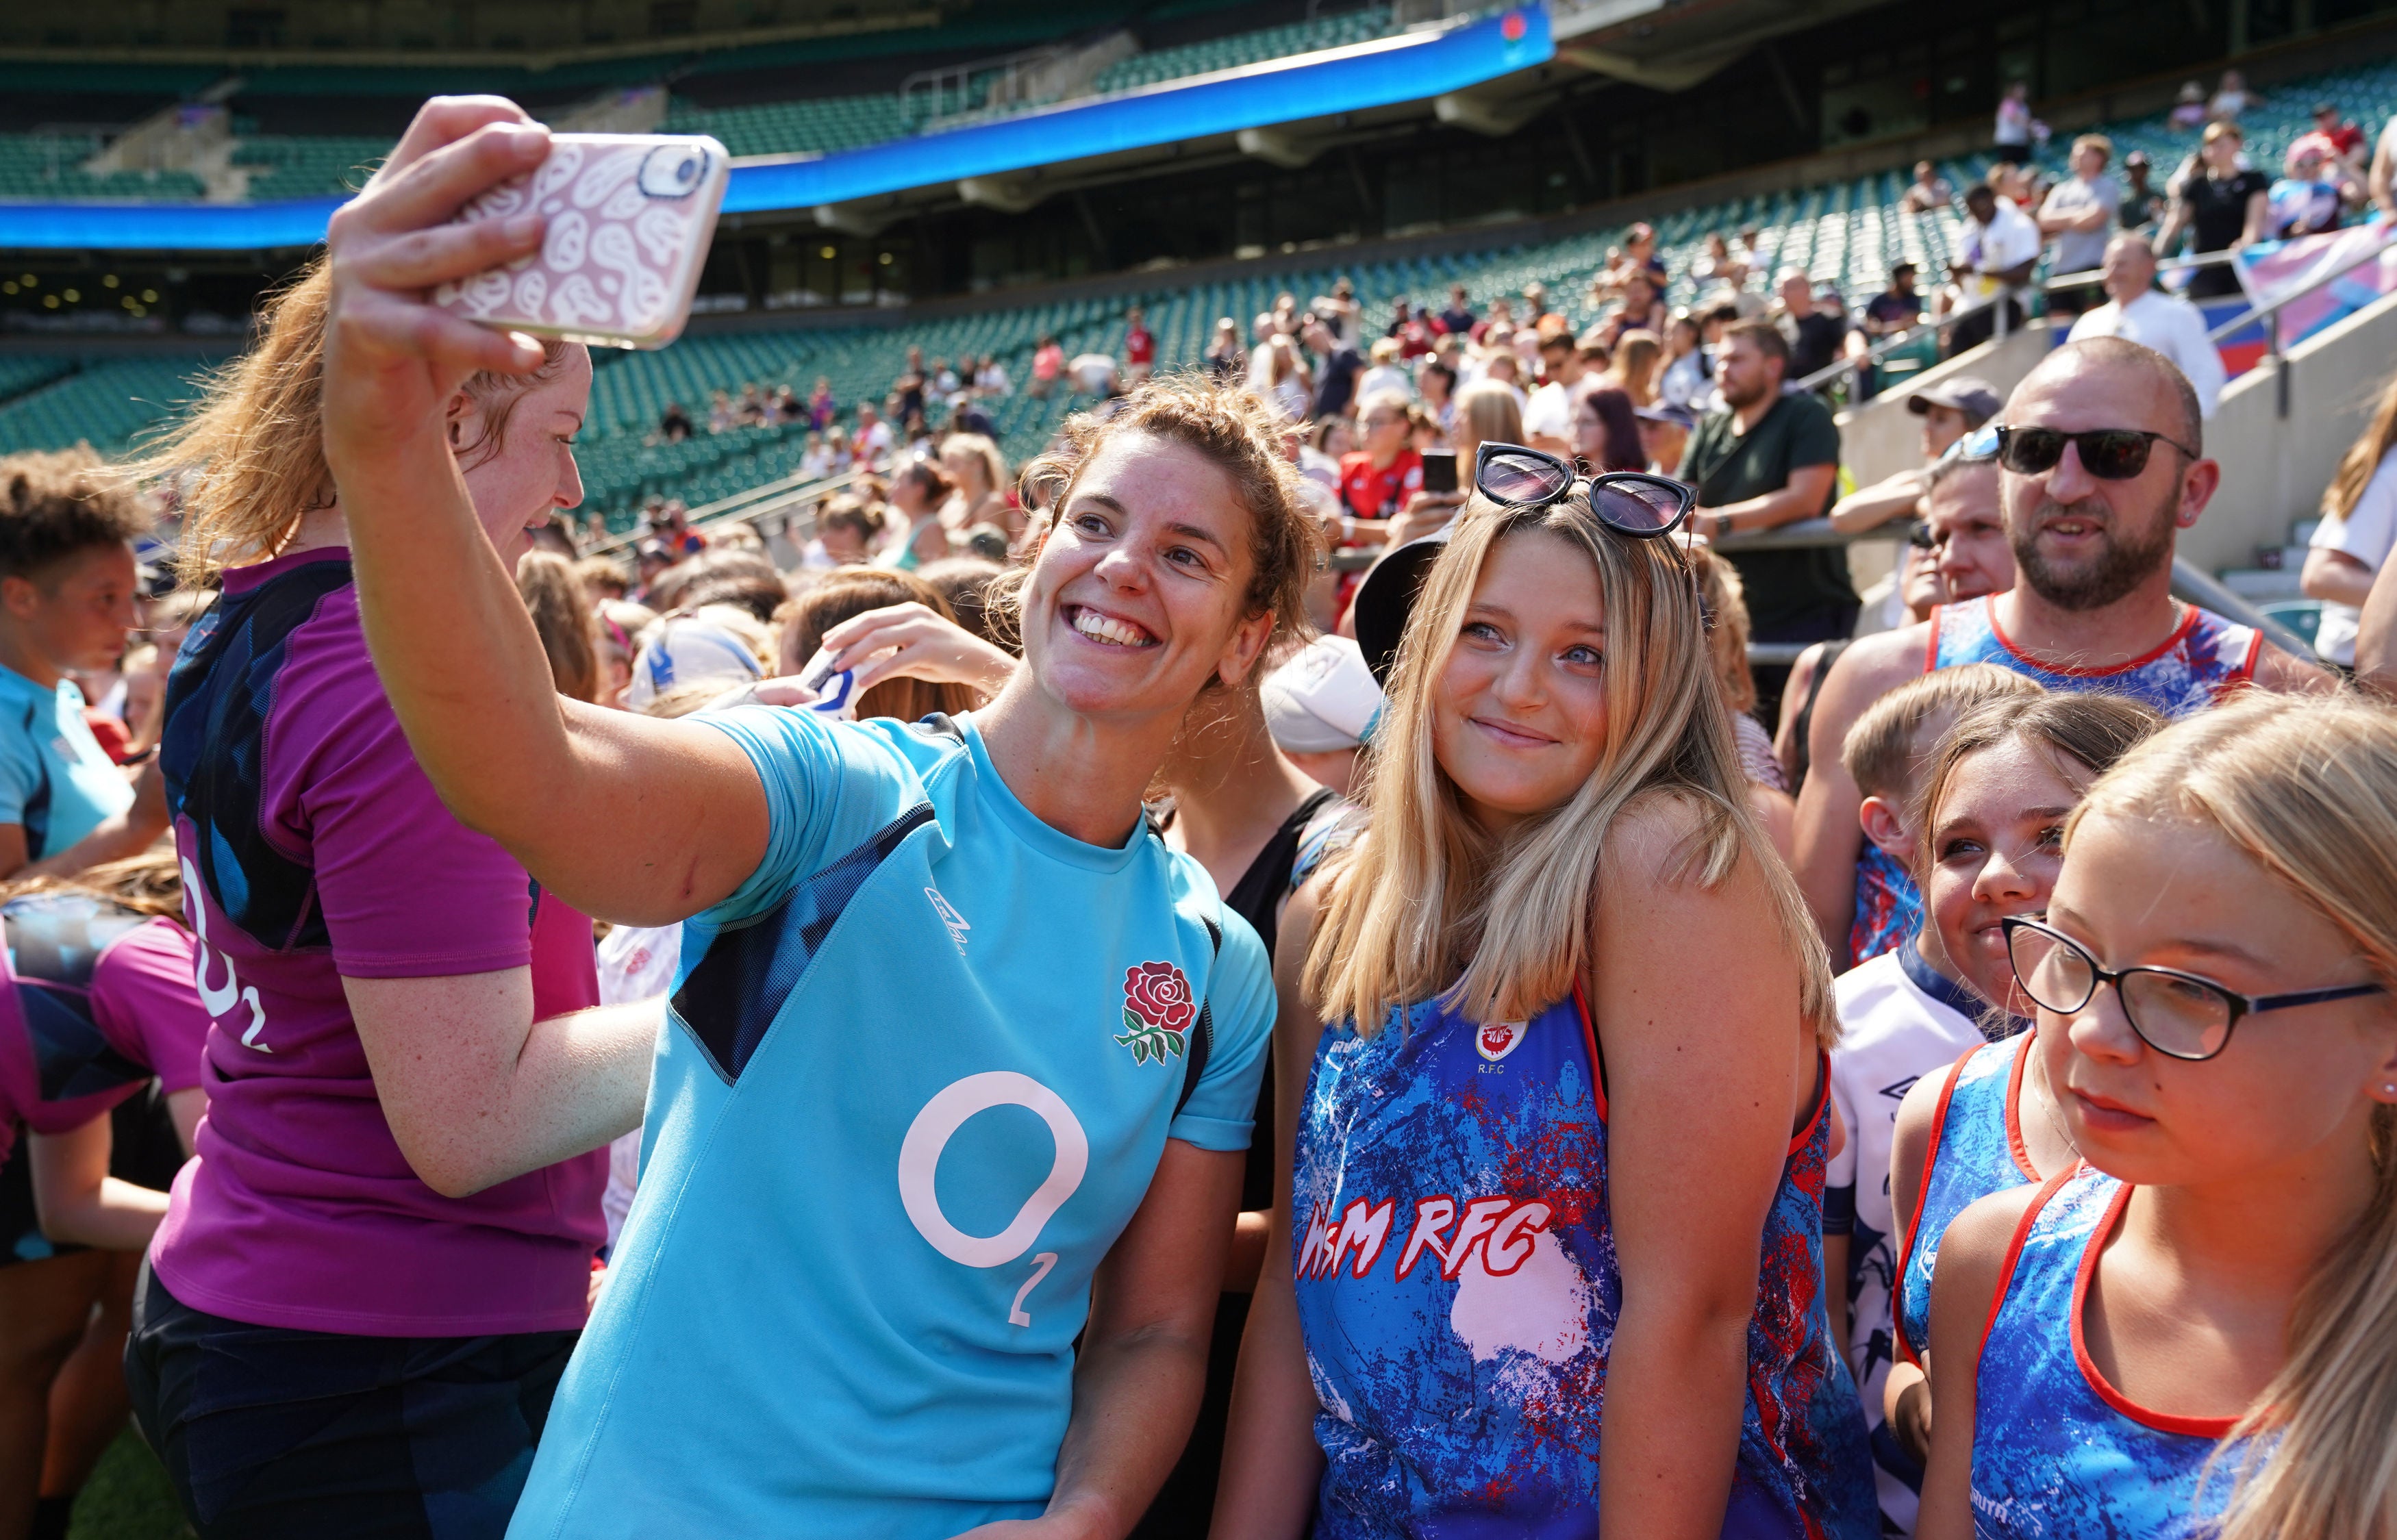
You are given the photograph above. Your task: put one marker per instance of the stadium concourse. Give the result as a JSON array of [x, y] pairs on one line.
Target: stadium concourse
[[1844, 235]]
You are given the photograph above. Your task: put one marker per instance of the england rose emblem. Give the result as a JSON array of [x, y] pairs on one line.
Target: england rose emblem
[[1157, 1010]]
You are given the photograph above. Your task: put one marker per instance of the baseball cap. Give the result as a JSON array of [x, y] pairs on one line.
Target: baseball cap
[[1976, 398], [1386, 596], [685, 649], [1661, 411], [1324, 700]]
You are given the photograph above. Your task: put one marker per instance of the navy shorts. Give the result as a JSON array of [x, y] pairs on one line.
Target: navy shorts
[[268, 1433]]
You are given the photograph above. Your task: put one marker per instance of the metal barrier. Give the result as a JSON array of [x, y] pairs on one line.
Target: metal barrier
[[773, 497]]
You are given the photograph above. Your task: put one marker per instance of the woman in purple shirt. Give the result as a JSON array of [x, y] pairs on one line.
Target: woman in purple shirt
[[368, 1281]]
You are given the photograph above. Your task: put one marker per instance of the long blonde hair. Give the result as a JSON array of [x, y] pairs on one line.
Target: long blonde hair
[[254, 447], [1429, 905], [2306, 789], [2363, 457]]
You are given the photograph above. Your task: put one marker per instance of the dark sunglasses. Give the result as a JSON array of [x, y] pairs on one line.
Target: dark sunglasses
[[2179, 1015], [2109, 454], [1630, 503]]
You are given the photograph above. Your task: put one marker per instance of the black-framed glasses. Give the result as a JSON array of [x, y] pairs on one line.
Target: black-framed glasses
[[2179, 1015], [2109, 454], [1630, 503]]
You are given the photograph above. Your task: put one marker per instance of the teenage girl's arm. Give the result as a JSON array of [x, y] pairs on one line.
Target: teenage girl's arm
[[1142, 1362], [1971, 1255], [1828, 836], [112, 838], [1704, 1080], [1272, 1465], [1905, 1393], [627, 817], [79, 1202]]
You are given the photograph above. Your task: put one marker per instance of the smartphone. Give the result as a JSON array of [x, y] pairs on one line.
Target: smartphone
[[1439, 470], [836, 690], [630, 220]]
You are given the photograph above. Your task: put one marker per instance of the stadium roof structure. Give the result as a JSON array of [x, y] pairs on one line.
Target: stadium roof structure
[[1265, 109]]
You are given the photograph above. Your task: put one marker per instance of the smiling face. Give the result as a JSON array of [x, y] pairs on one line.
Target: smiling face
[[1519, 709], [1995, 843], [1140, 592], [2080, 541], [2291, 1089], [516, 481]]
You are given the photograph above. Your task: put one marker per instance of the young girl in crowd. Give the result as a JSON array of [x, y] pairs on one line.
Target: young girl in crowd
[[1521, 1220], [1994, 796], [384, 1226], [100, 1064], [898, 927], [2196, 1332]]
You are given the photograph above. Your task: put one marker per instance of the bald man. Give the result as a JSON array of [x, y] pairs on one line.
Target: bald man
[[2135, 308], [2092, 519]]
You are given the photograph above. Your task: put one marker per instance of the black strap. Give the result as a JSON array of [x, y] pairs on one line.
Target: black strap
[[1202, 1034], [1805, 724]]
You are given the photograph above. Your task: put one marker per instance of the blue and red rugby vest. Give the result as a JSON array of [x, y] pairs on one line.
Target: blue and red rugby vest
[[2205, 658], [1889, 905], [1976, 1148], [1457, 1292], [2057, 1451]]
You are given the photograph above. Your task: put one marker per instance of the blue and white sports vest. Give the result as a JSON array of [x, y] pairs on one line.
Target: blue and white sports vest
[[1976, 1148], [2204, 658], [1457, 1294], [2057, 1452]]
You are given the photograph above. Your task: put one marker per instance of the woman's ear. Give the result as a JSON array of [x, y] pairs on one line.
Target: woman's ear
[[454, 417]]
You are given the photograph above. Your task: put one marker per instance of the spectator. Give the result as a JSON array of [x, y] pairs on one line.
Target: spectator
[[1227, 360], [789, 407], [1458, 319], [917, 494], [2221, 208], [1949, 409], [1638, 360], [1716, 265], [1535, 306], [1140, 346], [752, 411], [603, 579], [674, 424], [1606, 423], [2077, 215], [1685, 373], [1094, 374], [1287, 382], [1549, 417], [1664, 436], [720, 417], [1765, 460], [1048, 363], [2309, 200], [2359, 525], [1815, 339], [1436, 382], [1928, 193], [870, 445], [2092, 606], [2234, 97], [2136, 310], [910, 386], [2188, 108], [991, 379], [1336, 370], [1998, 247], [1640, 255], [846, 529], [1894, 308], [821, 409], [1385, 374], [2142, 204], [979, 473], [1638, 309], [1413, 329], [1327, 443], [2341, 143], [1379, 478], [1340, 314], [1486, 412], [2014, 124]]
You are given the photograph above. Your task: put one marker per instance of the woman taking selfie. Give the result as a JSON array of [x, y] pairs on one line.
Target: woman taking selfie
[[895, 929], [1549, 1182]]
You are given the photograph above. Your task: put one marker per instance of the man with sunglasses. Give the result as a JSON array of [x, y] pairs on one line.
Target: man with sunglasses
[[2100, 461]]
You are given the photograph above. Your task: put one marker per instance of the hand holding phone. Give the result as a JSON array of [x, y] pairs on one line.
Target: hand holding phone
[[629, 219], [1439, 470]]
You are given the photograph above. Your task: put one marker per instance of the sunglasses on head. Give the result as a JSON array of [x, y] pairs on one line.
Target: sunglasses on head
[[2109, 454], [1630, 503]]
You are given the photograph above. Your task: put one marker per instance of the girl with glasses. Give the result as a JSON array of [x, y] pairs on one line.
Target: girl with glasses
[[1988, 821], [1554, 1174], [2196, 1332]]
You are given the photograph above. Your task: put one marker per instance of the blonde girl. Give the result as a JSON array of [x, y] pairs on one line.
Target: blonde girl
[[2193, 1331]]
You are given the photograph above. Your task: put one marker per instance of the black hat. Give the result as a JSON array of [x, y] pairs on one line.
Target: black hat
[[1388, 595]]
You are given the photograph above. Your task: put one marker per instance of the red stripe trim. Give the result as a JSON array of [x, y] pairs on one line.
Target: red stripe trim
[[2180, 634], [2014, 1255], [1906, 1349], [1822, 1105], [2014, 1109], [1589, 1036], [2163, 1421], [1930, 648]]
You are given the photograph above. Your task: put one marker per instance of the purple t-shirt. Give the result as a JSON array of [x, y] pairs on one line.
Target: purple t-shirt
[[291, 783], [87, 1042]]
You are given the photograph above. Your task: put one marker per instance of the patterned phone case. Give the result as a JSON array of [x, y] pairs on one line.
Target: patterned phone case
[[630, 219]]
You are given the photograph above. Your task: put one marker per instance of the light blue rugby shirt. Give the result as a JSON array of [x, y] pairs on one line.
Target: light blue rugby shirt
[[55, 779], [921, 1069]]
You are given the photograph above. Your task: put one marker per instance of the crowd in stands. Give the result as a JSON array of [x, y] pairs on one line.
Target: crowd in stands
[[1272, 970]]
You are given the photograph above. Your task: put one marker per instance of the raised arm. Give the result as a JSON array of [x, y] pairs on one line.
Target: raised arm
[[624, 817]]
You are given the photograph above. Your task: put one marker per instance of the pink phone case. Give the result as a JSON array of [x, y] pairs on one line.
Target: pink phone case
[[630, 220]]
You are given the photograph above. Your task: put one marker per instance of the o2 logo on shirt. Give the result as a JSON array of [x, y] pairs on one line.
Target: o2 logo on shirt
[[220, 998], [920, 1160]]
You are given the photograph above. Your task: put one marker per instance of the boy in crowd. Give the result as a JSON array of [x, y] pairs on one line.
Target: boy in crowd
[[67, 581]]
